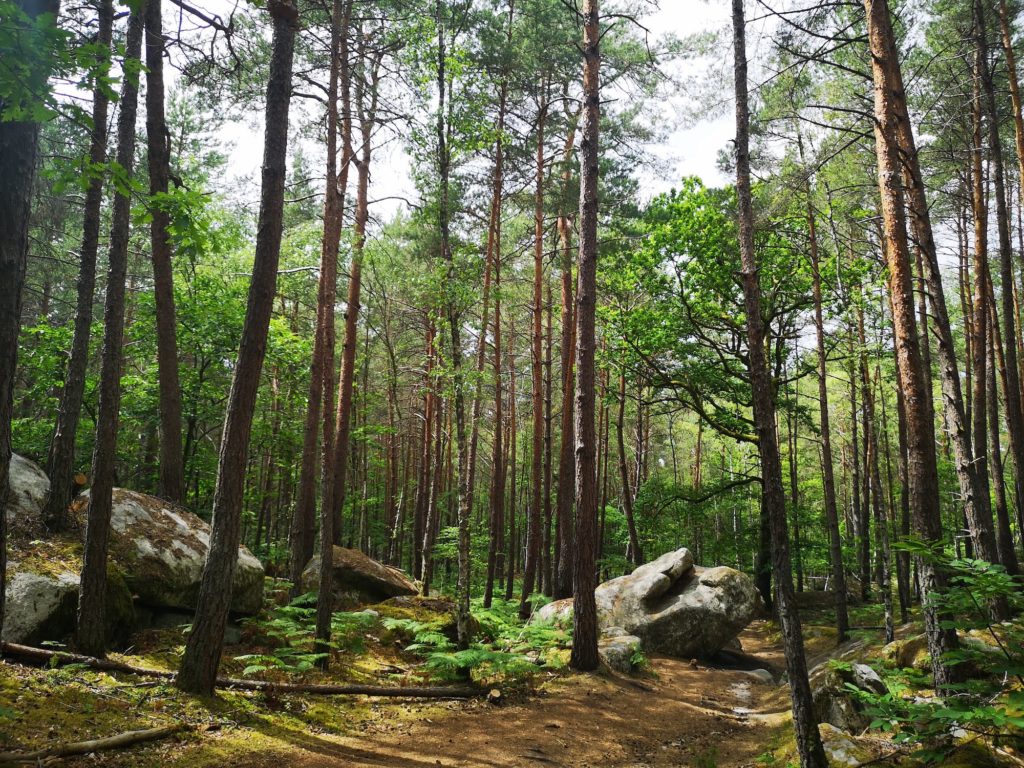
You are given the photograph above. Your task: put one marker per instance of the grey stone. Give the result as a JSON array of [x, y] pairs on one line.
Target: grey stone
[[39, 606], [674, 607], [29, 488], [618, 652], [162, 550], [358, 579]]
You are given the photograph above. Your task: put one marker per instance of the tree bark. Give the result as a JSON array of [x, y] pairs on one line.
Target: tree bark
[[827, 472], [533, 533], [60, 464], [171, 483], [201, 659], [812, 754], [91, 628], [635, 555], [922, 473], [319, 403], [19, 140], [337, 468], [584, 642]]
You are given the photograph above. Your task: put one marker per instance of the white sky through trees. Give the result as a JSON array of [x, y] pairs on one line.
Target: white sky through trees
[[689, 142]]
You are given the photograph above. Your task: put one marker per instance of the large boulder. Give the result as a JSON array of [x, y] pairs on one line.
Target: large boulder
[[358, 579], [29, 488], [42, 606], [161, 549], [674, 607]]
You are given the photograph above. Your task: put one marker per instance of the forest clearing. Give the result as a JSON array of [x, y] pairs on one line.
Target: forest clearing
[[620, 383]]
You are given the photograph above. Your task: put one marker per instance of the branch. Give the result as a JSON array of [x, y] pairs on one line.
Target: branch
[[121, 740]]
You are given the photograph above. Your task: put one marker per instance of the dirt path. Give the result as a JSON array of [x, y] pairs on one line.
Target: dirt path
[[683, 715]]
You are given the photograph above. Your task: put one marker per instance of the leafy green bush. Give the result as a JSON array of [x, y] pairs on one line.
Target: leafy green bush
[[990, 704]]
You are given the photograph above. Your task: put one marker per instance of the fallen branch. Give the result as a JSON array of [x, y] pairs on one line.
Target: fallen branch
[[119, 741], [45, 656]]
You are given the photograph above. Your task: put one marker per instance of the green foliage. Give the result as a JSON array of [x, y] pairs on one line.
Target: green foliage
[[506, 648], [289, 629], [990, 703]]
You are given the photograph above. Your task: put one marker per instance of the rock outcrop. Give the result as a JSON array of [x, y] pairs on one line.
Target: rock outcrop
[[358, 579], [157, 553], [162, 549], [672, 606]]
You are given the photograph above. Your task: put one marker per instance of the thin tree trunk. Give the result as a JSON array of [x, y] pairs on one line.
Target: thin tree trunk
[[60, 465], [812, 754], [201, 659], [318, 404], [91, 629], [635, 555], [335, 487], [171, 484], [533, 533], [827, 475]]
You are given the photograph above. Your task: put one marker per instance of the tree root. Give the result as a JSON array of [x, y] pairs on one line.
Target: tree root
[[44, 656]]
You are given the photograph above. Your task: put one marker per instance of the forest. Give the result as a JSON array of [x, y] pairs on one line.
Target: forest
[[511, 383]]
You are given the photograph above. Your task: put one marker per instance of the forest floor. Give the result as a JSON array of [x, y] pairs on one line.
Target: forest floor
[[678, 713]]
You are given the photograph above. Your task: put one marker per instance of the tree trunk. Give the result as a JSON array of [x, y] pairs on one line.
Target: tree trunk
[[635, 555], [533, 533], [318, 404], [922, 473], [90, 634], [19, 141], [337, 468], [198, 671], [171, 484], [60, 465], [584, 642], [812, 754], [827, 473]]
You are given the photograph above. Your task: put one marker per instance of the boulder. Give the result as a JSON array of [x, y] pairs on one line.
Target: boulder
[[42, 606], [909, 653], [619, 650], [358, 579], [39, 606], [832, 700], [29, 489], [161, 548], [841, 749], [672, 606]]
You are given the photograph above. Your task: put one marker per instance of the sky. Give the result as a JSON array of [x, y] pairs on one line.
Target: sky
[[688, 145]]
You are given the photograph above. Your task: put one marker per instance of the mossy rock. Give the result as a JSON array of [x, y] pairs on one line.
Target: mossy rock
[[909, 653]]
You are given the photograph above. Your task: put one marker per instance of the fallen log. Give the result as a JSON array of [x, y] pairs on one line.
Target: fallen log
[[45, 656], [121, 740]]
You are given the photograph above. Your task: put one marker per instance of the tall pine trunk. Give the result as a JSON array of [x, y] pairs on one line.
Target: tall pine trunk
[[171, 482], [60, 464], [319, 403], [773, 499], [90, 633], [198, 671], [922, 474], [19, 141], [584, 642]]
